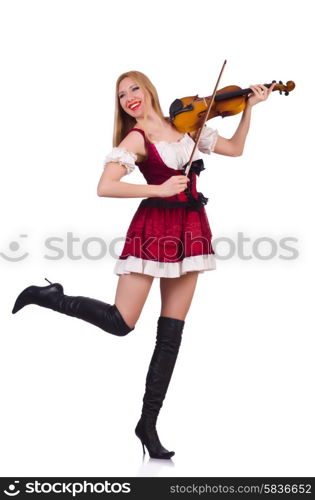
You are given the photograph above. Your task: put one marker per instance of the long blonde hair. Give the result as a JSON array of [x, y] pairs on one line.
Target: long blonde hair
[[123, 122]]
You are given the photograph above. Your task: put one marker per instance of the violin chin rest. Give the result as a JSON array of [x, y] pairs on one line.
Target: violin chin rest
[[175, 108]]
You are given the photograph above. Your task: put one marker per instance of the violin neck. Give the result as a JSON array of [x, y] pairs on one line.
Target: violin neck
[[236, 93]]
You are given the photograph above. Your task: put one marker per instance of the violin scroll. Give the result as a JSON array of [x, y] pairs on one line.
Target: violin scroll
[[283, 88]]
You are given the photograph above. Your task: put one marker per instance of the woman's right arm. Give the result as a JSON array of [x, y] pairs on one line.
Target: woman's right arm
[[110, 184]]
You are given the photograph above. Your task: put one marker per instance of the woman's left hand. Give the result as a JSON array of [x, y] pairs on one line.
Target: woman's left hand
[[260, 93]]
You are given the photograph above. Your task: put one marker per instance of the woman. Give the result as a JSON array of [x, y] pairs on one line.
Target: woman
[[169, 236]]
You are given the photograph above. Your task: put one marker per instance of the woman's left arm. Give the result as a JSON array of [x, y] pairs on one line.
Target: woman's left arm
[[235, 145]]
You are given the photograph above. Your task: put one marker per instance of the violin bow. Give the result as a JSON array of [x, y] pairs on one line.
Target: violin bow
[[204, 120]]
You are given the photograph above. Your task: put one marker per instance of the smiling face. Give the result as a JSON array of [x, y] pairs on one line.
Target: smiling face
[[136, 102], [131, 97]]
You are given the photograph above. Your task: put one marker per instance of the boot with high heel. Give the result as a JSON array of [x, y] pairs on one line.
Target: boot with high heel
[[168, 340], [105, 316]]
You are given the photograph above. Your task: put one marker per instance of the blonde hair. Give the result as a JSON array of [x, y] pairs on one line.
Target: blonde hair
[[123, 122]]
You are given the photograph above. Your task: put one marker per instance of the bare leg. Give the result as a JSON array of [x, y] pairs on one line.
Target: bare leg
[[131, 294], [177, 294]]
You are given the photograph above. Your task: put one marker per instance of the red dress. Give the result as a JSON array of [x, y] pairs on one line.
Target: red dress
[[168, 237]]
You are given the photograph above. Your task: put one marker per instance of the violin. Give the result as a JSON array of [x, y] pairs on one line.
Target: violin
[[188, 113]]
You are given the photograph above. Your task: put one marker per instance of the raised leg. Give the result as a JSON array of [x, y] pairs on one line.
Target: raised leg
[[130, 297]]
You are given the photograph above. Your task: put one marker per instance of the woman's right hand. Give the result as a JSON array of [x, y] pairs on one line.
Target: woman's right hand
[[174, 185]]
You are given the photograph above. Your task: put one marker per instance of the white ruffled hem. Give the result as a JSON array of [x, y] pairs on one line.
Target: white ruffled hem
[[199, 263], [123, 157]]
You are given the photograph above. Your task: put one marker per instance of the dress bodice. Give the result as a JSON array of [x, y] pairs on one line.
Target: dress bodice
[[156, 171], [153, 168]]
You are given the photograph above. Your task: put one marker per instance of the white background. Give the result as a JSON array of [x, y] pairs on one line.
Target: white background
[[240, 402]]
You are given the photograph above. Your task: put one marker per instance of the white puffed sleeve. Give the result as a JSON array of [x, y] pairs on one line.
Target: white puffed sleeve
[[208, 140], [123, 157]]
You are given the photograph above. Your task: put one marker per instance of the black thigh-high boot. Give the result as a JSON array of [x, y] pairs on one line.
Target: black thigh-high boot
[[105, 316], [168, 340]]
